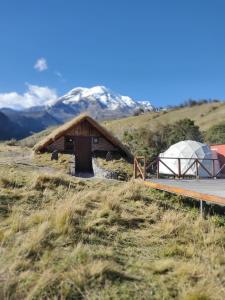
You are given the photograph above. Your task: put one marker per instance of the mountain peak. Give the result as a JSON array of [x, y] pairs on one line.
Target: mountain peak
[[98, 101], [93, 90], [101, 95]]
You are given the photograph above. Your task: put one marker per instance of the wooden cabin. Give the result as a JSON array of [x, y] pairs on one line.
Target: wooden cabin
[[83, 137]]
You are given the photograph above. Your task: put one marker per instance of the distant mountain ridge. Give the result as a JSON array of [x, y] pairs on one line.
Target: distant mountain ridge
[[99, 101], [8, 129]]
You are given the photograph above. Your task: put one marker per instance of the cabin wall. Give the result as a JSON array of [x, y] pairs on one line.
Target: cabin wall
[[83, 129], [103, 145]]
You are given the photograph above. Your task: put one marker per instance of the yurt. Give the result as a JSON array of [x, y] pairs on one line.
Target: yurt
[[188, 151]]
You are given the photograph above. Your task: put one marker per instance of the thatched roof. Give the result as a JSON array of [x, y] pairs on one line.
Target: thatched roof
[[62, 130]]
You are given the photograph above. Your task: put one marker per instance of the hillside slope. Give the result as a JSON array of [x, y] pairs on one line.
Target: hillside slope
[[26, 122], [204, 115], [8, 129]]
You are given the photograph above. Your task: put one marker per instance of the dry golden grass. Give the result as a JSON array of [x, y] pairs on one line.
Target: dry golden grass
[[205, 116], [65, 238], [44, 159], [117, 165]]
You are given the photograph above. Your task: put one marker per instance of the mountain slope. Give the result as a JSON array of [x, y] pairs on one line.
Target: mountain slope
[[8, 129], [27, 122], [204, 115]]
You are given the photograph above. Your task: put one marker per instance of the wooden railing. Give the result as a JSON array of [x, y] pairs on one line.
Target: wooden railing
[[143, 170], [140, 167]]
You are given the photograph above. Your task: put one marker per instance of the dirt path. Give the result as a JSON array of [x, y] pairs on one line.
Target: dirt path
[[18, 156]]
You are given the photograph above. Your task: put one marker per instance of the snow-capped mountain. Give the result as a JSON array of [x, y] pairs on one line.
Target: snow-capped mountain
[[98, 101], [98, 94]]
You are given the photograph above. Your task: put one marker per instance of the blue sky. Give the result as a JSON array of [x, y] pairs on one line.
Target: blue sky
[[158, 50]]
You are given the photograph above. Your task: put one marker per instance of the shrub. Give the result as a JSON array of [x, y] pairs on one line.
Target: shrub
[[215, 134], [150, 143]]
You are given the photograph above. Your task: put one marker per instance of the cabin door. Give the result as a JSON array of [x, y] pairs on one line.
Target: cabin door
[[83, 159]]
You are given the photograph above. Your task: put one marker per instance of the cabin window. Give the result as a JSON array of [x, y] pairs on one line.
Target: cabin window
[[95, 140], [69, 145]]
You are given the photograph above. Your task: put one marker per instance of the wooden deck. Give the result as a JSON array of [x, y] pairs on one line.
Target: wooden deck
[[209, 190]]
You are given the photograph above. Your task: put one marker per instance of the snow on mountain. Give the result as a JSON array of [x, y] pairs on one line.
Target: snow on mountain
[[98, 101], [98, 94]]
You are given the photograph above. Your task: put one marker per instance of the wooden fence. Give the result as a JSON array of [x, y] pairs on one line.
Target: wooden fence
[[144, 170]]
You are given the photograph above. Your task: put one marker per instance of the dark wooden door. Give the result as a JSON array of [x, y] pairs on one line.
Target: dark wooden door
[[83, 154]]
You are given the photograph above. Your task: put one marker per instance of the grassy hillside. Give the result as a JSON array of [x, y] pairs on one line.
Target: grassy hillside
[[204, 115], [66, 238]]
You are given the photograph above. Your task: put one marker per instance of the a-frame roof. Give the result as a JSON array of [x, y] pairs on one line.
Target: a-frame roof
[[62, 130]]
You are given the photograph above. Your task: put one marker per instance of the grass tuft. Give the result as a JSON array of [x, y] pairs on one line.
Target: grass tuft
[[10, 183]]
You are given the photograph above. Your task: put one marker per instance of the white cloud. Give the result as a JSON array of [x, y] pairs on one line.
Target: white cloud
[[41, 64], [34, 96]]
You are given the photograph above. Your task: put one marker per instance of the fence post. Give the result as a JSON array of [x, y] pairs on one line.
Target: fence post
[[179, 168], [213, 169], [197, 169], [158, 160], [202, 209], [135, 169], [144, 168]]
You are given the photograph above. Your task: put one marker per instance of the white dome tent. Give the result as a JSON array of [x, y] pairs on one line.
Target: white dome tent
[[188, 151]]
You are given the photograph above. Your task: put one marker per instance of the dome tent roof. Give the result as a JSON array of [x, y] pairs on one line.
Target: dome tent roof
[[189, 150]]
